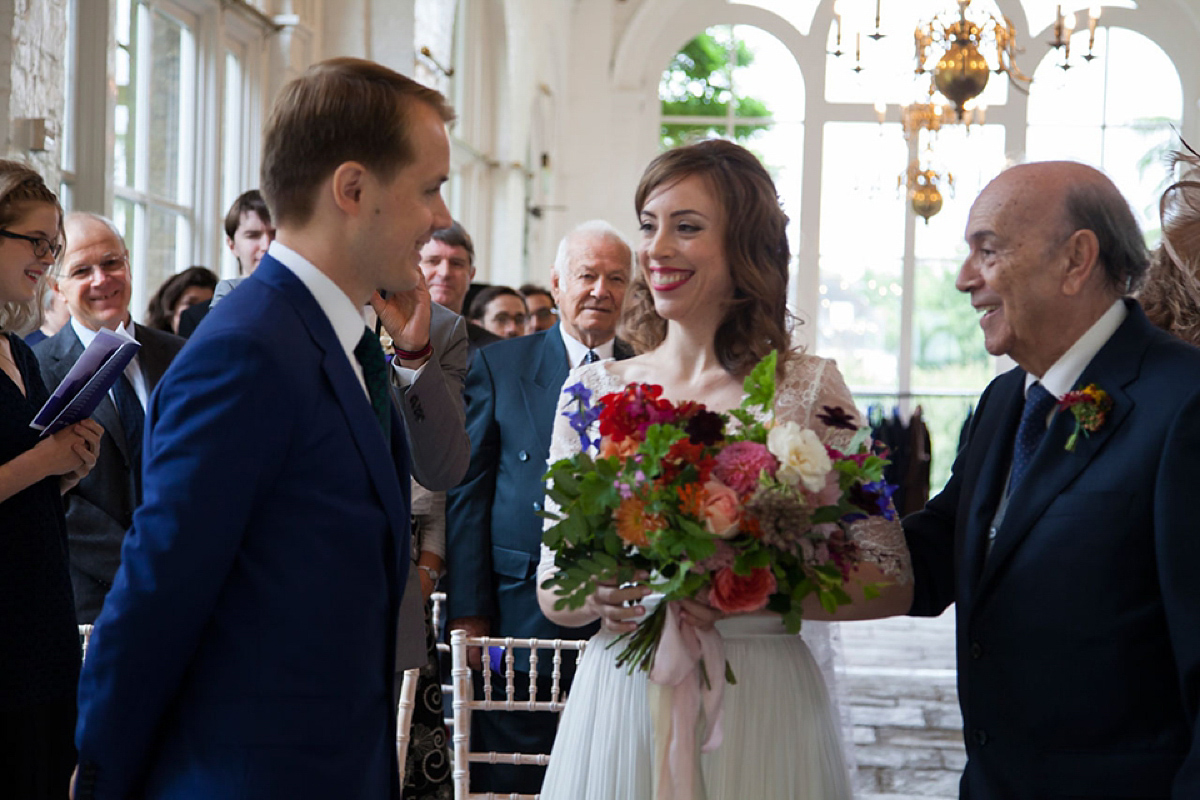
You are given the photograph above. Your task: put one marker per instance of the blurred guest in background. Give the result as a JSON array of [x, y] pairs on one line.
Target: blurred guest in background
[[499, 310], [448, 264], [542, 313], [54, 316], [1171, 296], [178, 293]]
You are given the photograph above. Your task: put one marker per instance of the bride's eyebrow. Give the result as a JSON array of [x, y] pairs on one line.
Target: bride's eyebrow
[[683, 212]]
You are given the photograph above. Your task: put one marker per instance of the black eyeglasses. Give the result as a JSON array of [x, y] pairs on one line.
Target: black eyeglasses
[[41, 247]]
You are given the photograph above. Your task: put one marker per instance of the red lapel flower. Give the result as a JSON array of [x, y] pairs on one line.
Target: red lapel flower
[[1090, 406]]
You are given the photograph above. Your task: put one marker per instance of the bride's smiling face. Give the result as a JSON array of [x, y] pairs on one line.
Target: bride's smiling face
[[682, 252]]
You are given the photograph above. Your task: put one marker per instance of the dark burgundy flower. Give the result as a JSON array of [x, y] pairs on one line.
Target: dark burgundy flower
[[837, 417], [705, 428], [873, 498]]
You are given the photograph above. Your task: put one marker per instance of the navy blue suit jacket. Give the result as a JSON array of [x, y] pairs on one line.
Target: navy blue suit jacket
[[494, 535], [1079, 635], [246, 648]]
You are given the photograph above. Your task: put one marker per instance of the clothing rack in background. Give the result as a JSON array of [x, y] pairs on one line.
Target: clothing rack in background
[[909, 448]]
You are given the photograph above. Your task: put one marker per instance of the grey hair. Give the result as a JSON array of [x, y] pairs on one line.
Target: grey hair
[[595, 228], [81, 216], [1099, 207]]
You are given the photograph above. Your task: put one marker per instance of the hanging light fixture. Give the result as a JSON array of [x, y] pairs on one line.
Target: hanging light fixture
[[924, 194], [949, 50]]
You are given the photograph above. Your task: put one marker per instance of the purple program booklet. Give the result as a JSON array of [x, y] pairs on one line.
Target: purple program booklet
[[89, 380]]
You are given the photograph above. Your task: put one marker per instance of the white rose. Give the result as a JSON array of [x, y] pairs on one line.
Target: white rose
[[802, 457]]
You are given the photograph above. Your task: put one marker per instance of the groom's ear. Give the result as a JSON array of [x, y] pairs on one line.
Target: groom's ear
[[1082, 255]]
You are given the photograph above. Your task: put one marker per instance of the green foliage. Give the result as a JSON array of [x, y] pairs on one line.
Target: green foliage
[[698, 83]]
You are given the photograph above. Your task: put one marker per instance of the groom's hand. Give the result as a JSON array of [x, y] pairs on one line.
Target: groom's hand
[[405, 316]]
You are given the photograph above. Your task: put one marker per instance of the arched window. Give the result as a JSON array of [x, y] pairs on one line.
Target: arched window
[[739, 82], [1120, 114]]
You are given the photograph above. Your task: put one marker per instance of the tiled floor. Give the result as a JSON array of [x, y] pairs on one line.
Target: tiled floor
[[898, 682]]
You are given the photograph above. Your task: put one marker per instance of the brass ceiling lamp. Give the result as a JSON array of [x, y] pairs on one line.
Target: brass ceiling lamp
[[960, 71], [924, 194]]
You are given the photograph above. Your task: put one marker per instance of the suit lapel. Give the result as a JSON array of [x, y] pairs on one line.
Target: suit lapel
[[622, 350], [1000, 428], [150, 358], [346, 388], [541, 388], [1053, 468]]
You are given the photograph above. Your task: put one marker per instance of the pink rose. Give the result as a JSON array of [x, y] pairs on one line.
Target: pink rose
[[739, 465], [739, 594], [721, 509]]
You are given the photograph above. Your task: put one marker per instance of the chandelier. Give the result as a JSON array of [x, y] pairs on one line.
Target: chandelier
[[948, 49], [924, 194]]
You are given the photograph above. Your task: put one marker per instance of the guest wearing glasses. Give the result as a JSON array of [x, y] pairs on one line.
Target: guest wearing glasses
[[39, 657], [499, 310], [93, 278], [542, 313]]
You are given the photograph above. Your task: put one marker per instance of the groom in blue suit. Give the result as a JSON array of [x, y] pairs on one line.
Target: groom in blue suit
[[246, 649], [1071, 562]]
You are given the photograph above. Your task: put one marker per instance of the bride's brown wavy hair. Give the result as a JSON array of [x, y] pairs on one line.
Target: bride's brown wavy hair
[[756, 318]]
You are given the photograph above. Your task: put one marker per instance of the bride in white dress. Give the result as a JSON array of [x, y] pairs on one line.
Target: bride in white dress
[[709, 301]]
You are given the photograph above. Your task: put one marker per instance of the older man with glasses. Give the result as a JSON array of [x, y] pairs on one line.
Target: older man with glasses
[[93, 279]]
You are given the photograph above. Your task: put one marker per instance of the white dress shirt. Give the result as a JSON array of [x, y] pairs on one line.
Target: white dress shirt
[[345, 317], [577, 351], [133, 370]]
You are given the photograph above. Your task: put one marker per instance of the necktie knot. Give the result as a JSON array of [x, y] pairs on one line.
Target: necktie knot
[[1038, 403], [592, 357], [374, 366]]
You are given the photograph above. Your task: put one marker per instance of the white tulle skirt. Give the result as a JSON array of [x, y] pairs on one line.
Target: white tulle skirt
[[782, 738]]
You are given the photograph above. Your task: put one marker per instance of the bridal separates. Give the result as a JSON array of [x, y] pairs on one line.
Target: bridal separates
[[782, 738]]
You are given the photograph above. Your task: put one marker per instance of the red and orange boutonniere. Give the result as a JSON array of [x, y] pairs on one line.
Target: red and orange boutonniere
[[1090, 406]]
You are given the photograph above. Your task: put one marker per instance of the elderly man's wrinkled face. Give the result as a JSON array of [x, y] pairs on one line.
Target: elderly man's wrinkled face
[[592, 288], [1016, 233]]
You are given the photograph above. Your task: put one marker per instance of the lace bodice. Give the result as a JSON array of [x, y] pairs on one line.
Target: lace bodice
[[809, 384]]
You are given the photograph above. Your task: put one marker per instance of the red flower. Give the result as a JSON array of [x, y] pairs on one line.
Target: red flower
[[630, 412], [737, 594], [740, 463]]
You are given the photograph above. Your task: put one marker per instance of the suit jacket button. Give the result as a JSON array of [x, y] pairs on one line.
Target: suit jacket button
[[537, 506], [976, 650], [522, 456], [981, 737]]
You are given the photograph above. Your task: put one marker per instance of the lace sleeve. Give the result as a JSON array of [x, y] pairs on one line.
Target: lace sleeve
[[811, 387]]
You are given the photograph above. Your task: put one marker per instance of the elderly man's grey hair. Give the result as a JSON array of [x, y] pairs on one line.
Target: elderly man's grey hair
[[595, 228]]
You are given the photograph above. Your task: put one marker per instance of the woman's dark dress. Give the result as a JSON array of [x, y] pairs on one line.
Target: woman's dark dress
[[39, 640]]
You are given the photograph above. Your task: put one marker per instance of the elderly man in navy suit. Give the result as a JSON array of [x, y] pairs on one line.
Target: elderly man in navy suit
[[247, 647], [494, 534], [1070, 555]]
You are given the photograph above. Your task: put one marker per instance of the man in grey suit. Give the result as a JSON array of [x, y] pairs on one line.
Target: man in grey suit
[[93, 280], [448, 264]]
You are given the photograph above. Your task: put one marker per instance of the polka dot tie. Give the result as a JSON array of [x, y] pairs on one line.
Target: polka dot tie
[[1038, 403], [591, 357]]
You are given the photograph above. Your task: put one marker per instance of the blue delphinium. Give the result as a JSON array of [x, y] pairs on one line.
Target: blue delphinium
[[583, 416]]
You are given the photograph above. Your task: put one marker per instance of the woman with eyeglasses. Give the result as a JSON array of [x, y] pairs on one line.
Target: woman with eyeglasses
[[39, 640]]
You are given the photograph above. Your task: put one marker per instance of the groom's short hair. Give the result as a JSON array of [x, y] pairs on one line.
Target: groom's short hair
[[343, 109]]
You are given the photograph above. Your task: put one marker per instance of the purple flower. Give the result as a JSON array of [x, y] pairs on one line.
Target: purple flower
[[873, 498], [837, 417], [583, 416]]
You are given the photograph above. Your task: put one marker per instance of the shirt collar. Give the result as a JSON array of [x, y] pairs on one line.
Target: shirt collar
[[346, 318], [86, 334], [576, 350], [1063, 374]]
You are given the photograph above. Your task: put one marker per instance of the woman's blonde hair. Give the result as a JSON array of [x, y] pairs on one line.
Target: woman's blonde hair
[[1171, 296], [20, 185]]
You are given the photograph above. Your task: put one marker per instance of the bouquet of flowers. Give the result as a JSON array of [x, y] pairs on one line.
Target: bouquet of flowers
[[740, 513]]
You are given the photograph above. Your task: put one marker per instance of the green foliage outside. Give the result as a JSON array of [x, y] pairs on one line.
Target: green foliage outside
[[699, 83]]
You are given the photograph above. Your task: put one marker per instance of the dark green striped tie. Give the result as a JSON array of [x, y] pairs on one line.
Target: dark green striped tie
[[370, 356]]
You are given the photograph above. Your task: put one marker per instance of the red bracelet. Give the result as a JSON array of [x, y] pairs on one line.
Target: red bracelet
[[414, 355]]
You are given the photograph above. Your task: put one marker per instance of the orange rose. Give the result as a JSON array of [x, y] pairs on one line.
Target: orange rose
[[739, 594], [721, 509], [622, 449]]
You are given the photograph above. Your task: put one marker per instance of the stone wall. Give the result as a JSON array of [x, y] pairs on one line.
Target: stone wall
[[32, 78]]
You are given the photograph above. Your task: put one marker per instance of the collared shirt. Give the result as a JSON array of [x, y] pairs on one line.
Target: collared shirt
[[577, 350], [133, 370], [344, 316], [1063, 374]]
